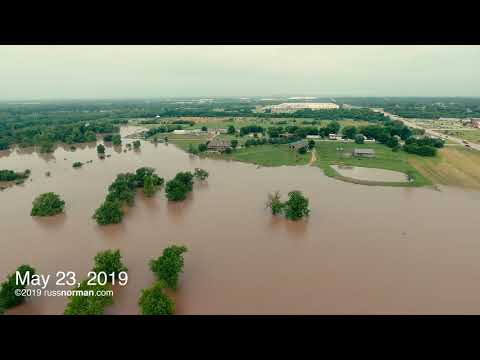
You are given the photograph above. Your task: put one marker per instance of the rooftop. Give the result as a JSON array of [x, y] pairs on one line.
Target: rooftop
[[364, 151]]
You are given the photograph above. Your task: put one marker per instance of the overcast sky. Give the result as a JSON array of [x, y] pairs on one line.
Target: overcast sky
[[48, 72]]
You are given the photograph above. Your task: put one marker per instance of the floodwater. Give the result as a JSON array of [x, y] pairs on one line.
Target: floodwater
[[370, 174], [363, 250]]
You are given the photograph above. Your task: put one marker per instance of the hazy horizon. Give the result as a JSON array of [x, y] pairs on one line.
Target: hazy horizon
[[48, 73]]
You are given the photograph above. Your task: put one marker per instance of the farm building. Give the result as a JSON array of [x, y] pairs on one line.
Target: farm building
[[363, 153], [334, 137], [313, 136], [179, 132], [298, 145], [218, 145]]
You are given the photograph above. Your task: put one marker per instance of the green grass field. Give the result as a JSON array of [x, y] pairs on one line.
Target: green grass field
[[265, 155], [469, 135], [454, 166], [329, 153]]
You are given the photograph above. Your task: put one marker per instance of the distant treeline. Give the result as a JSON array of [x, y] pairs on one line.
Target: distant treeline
[[47, 129], [421, 107]]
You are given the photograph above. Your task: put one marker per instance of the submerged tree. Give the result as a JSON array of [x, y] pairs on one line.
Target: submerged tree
[[100, 149], [153, 301], [109, 262], [202, 147], [175, 190], [116, 140], [47, 204], [137, 144], [200, 174], [110, 212], [274, 203], [296, 206], [169, 266], [8, 296], [82, 304]]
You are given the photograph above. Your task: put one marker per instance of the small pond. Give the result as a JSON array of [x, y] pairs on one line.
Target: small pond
[[370, 174]]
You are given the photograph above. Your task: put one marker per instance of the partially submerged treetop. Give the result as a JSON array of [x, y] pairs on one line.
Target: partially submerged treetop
[[47, 204]]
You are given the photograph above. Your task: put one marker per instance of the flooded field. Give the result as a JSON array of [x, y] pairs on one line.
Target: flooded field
[[370, 174], [363, 250]]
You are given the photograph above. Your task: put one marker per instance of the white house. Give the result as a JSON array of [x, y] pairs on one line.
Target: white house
[[334, 137], [313, 136]]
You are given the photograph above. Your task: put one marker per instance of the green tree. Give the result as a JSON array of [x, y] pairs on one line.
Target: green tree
[[192, 149], [302, 150], [153, 301], [359, 139], [296, 206], [332, 128], [110, 262], [274, 203], [110, 212], [231, 130], [137, 144], [169, 266], [234, 143], [77, 164], [175, 190], [204, 128], [202, 147], [186, 178], [116, 140], [8, 298], [350, 131], [149, 187], [311, 144], [200, 174], [82, 304], [100, 149], [47, 204]]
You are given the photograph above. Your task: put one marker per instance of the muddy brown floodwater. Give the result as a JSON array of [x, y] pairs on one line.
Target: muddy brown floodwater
[[363, 250]]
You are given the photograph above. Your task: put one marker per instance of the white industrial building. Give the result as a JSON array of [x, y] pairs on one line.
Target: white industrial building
[[289, 107]]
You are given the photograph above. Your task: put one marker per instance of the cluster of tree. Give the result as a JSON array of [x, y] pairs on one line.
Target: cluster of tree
[[160, 130], [122, 192], [295, 208], [425, 146], [178, 188], [89, 299], [9, 296], [10, 175], [47, 204], [425, 141], [302, 131], [94, 303], [420, 150], [46, 133], [435, 110], [183, 122], [137, 144], [100, 149], [181, 185], [251, 129], [388, 133], [167, 269], [77, 164]]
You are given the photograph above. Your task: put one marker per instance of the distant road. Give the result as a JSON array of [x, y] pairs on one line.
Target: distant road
[[428, 131]]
